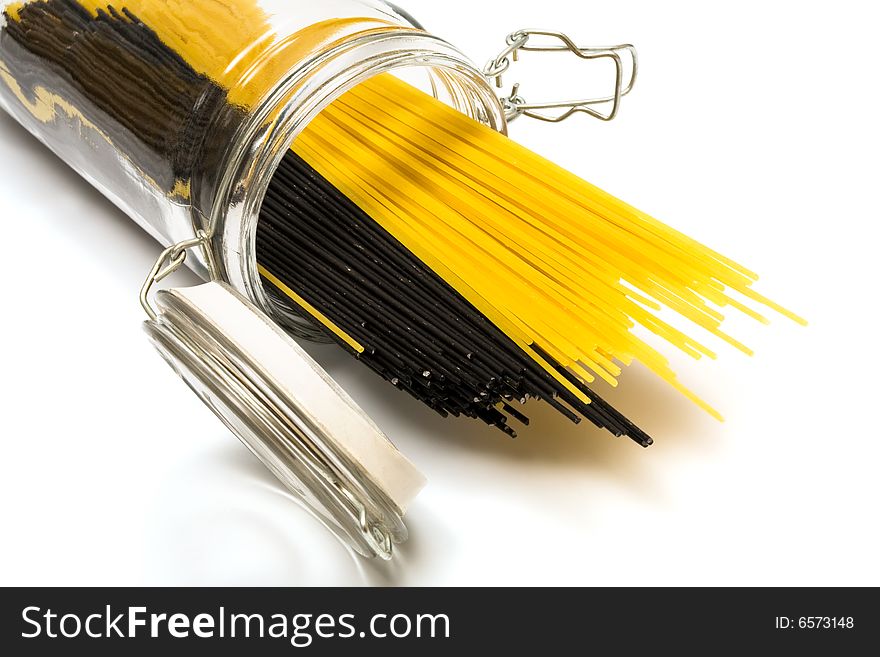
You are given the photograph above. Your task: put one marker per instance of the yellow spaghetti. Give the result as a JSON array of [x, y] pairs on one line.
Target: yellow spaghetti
[[552, 260]]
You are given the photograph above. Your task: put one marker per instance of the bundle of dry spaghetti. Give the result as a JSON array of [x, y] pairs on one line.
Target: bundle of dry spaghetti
[[459, 266]]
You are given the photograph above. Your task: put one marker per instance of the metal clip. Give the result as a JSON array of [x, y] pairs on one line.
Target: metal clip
[[515, 105], [169, 261]]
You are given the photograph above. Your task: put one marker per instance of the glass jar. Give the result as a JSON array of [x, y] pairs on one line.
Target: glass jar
[[180, 113]]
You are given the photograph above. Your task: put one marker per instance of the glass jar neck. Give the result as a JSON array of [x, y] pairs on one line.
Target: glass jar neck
[[300, 95]]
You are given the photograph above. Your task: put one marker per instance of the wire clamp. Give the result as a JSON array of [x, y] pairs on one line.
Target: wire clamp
[[523, 41], [169, 261]]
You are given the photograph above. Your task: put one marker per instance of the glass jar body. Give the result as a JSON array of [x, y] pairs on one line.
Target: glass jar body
[[179, 113]]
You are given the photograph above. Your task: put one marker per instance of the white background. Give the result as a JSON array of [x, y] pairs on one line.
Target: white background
[[754, 127]]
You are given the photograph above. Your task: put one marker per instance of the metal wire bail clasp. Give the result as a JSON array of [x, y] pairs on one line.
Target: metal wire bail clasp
[[169, 261], [522, 41]]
